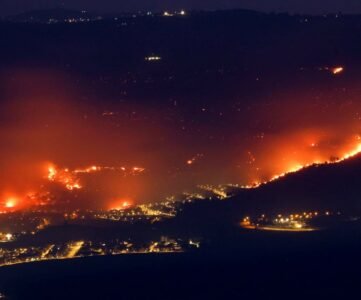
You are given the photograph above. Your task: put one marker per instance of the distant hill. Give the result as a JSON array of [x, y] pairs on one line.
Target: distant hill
[[61, 15], [51, 16]]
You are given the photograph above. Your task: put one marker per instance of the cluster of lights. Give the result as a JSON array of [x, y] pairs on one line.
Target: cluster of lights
[[152, 58], [292, 222], [304, 215], [6, 237], [170, 14], [149, 211], [77, 249], [219, 191]]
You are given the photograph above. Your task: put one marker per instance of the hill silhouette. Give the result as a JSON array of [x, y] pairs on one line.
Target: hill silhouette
[[334, 187], [319, 187]]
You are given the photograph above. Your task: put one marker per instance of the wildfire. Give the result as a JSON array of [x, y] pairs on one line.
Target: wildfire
[[64, 177], [122, 204], [75, 179], [51, 173], [10, 203], [125, 170], [299, 167], [70, 180]]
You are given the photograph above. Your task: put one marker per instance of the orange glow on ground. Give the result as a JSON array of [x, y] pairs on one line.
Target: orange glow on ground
[[64, 177], [70, 178], [356, 150], [121, 204], [10, 203]]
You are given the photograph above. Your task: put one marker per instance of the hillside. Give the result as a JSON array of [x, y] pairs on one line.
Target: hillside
[[334, 187], [319, 187]]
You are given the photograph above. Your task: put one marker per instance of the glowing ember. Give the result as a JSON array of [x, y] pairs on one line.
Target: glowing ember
[[122, 204], [125, 204], [194, 159], [10, 203], [51, 173], [9, 236], [337, 70]]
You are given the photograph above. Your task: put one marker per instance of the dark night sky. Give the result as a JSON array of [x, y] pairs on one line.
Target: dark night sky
[[302, 6]]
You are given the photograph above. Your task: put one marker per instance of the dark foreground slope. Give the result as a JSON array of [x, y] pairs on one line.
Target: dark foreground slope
[[272, 265], [333, 187], [330, 186]]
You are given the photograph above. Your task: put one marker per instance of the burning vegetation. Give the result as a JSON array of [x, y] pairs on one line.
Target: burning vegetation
[[134, 153]]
